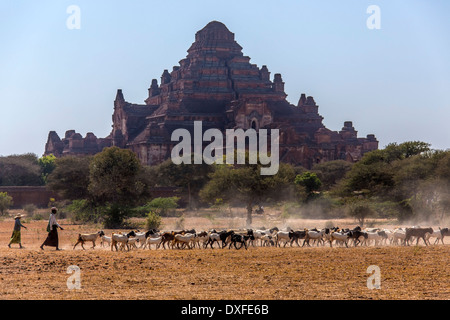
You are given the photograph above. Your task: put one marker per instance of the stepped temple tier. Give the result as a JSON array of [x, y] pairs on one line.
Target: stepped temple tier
[[217, 84]]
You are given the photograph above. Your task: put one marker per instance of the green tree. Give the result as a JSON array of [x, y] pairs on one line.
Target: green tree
[[154, 220], [360, 209], [413, 148], [84, 211], [443, 166], [371, 173], [409, 174], [70, 177], [117, 182], [162, 206], [310, 182], [401, 175], [245, 184], [394, 151], [47, 164], [331, 172], [20, 170], [190, 178], [6, 201], [444, 206]]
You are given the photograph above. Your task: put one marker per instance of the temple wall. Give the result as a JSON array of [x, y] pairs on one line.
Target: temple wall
[[39, 196]]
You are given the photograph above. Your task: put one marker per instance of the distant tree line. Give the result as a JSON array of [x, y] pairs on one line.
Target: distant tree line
[[25, 170], [407, 182]]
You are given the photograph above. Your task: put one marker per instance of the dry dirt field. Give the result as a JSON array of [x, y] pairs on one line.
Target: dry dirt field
[[259, 273]]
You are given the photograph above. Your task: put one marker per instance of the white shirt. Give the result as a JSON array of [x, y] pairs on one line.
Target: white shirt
[[52, 221]]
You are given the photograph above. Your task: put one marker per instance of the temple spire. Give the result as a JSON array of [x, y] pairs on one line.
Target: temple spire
[[119, 101], [302, 100]]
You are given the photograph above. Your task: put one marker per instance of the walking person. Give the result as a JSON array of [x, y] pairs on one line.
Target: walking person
[[52, 229], [16, 236]]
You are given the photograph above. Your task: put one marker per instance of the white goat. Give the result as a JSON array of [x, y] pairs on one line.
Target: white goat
[[267, 240], [438, 234], [375, 236], [314, 235], [130, 244], [390, 236], [339, 237], [184, 239], [212, 238], [259, 234], [150, 240], [200, 237], [399, 234], [282, 236], [106, 239], [142, 237], [122, 239], [82, 238]]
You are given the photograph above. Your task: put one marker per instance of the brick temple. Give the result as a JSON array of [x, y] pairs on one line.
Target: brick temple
[[217, 84]]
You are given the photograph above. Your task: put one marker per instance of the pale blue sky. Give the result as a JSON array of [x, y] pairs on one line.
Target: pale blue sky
[[393, 82]]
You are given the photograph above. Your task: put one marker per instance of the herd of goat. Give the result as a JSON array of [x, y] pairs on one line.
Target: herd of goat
[[268, 237]]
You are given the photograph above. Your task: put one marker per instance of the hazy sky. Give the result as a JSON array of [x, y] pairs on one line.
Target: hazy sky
[[393, 82]]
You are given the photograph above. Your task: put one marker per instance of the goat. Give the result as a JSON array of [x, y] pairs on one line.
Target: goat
[[398, 234], [249, 237], [121, 238], [225, 236], [417, 232], [282, 236], [339, 237], [104, 239], [130, 244], [82, 238], [184, 240], [142, 236], [438, 234], [377, 236], [150, 240], [316, 235], [189, 231], [239, 238], [267, 240], [258, 234], [389, 236], [356, 235], [212, 238], [169, 237], [200, 237], [296, 235], [444, 232]]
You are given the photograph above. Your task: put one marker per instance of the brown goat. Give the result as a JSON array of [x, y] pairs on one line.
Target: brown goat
[[417, 232]]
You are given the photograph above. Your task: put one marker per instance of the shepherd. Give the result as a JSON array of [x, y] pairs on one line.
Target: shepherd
[[16, 237], [52, 229]]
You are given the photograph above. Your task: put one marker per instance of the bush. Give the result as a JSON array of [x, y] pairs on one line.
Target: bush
[[360, 210], [164, 207], [324, 207], [20, 170], [6, 202], [38, 216], [179, 225], [329, 224], [82, 211], [115, 215], [290, 209], [219, 206], [311, 184], [154, 220], [29, 209]]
